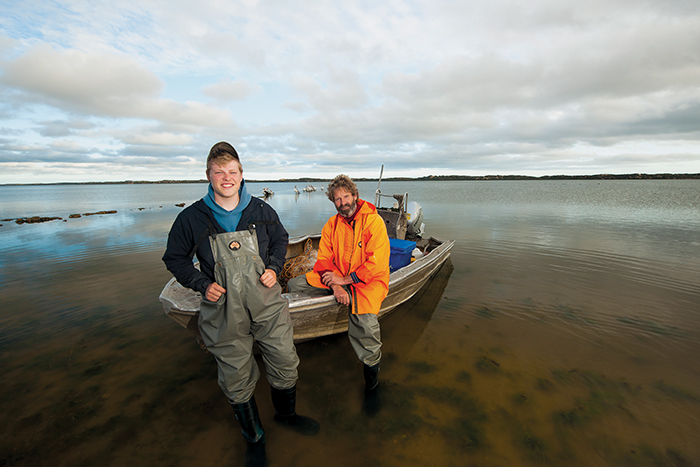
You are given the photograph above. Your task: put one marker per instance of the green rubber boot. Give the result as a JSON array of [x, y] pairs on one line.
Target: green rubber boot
[[252, 431], [284, 401], [372, 403]]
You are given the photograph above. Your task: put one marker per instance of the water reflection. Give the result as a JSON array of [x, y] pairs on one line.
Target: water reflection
[[126, 386], [559, 337]]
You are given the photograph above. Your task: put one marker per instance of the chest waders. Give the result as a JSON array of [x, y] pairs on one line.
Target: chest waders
[[363, 329], [247, 312]]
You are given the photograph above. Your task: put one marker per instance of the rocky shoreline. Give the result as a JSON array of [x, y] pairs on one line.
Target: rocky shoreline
[[40, 219]]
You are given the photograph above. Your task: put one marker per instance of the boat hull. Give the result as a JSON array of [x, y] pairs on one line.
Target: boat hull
[[317, 316]]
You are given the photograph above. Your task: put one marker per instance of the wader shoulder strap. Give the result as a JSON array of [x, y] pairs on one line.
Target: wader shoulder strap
[[210, 231]]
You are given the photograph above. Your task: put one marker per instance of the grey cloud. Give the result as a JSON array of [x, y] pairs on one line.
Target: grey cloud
[[145, 138], [79, 77], [58, 128], [231, 90], [340, 91], [104, 85], [7, 44], [228, 46], [24, 153], [130, 155]]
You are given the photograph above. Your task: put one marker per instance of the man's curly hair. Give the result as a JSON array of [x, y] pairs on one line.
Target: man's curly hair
[[344, 182]]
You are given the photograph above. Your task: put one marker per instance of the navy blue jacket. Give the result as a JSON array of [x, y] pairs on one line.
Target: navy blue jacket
[[192, 226]]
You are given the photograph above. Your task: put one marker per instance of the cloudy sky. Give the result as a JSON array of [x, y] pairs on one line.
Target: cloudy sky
[[140, 90]]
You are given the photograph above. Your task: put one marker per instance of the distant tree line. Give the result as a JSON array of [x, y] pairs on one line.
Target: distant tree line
[[666, 176], [639, 176]]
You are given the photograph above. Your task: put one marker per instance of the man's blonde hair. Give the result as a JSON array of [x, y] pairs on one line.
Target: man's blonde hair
[[221, 154]]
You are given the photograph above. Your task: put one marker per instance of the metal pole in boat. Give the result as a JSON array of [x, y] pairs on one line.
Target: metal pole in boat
[[377, 194]]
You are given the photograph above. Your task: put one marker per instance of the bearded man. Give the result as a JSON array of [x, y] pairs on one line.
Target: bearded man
[[353, 264]]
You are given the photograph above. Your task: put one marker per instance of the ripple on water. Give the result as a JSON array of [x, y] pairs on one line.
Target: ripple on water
[[580, 291]]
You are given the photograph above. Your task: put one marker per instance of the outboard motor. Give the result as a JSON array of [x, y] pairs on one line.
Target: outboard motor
[[414, 215]]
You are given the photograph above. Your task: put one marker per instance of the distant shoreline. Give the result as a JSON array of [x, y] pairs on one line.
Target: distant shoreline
[[637, 176]]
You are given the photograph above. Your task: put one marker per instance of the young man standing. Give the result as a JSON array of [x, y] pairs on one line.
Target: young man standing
[[353, 264], [241, 246]]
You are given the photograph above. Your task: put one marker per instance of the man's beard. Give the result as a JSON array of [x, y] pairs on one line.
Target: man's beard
[[346, 210]]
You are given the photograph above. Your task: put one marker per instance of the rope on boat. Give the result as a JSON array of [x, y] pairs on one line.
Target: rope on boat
[[298, 265]]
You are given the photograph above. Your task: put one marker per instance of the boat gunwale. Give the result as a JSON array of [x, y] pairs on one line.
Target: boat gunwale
[[303, 303]]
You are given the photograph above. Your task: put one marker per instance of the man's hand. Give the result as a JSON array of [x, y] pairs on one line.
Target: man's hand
[[269, 278], [329, 279], [214, 291], [341, 295]]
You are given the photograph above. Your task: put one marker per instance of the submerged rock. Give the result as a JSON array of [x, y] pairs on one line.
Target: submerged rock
[[36, 219], [99, 212]]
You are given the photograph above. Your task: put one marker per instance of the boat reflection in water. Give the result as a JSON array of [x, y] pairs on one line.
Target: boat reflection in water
[[406, 324], [330, 380]]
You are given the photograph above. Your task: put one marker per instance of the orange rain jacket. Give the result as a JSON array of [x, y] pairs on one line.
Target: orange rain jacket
[[360, 250]]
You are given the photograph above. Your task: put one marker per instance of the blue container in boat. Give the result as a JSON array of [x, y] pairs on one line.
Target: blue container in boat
[[400, 253]]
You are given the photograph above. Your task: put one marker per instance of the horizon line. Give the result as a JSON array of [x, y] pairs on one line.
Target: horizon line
[[628, 176]]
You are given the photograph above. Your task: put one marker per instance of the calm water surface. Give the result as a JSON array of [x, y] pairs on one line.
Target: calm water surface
[[565, 330]]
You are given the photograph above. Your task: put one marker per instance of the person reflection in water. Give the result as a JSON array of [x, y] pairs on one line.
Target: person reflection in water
[[353, 265], [241, 246]]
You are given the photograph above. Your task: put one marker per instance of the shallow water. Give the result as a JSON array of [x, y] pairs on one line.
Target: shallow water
[[564, 330]]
